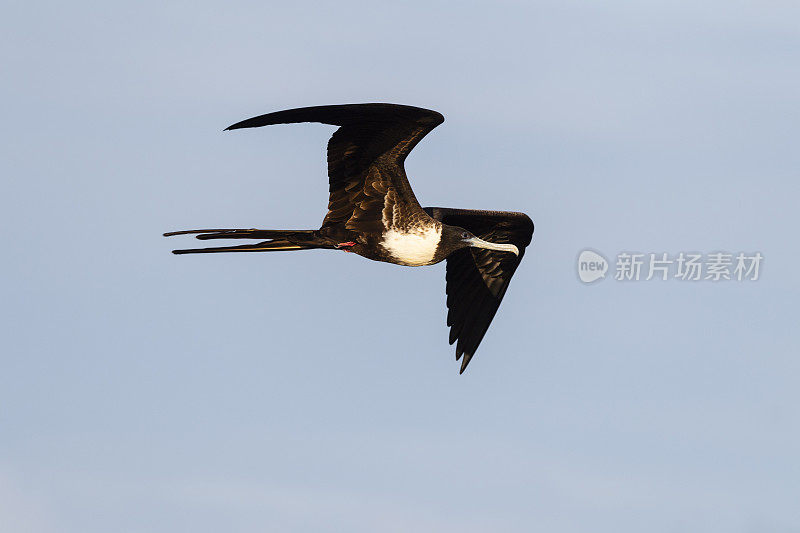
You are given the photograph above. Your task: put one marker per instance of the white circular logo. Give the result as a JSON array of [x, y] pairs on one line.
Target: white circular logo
[[591, 266]]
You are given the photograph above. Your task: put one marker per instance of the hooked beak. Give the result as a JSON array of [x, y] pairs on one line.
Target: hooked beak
[[480, 243]]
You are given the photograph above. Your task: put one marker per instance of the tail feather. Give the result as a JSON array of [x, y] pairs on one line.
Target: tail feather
[[256, 234], [277, 240], [240, 233], [267, 246], [189, 231]]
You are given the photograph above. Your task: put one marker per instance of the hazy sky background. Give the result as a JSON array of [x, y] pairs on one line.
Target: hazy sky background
[[144, 392]]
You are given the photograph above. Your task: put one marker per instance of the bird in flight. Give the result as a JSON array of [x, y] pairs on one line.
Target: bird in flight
[[373, 212]]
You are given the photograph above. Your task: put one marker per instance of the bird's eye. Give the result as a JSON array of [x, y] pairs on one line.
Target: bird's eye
[[465, 235]]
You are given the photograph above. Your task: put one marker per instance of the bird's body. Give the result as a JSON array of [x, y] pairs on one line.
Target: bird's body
[[373, 212]]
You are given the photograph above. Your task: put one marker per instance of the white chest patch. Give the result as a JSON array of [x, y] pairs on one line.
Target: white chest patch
[[415, 248]]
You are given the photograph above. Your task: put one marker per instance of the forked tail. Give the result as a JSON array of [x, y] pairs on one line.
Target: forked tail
[[273, 240]]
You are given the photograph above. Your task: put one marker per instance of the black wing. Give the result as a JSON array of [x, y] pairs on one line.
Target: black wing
[[477, 279], [365, 157]]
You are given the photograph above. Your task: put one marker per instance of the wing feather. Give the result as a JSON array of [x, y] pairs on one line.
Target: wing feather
[[477, 279], [365, 156]]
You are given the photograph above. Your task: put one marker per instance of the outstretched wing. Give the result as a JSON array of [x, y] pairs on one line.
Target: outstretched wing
[[477, 278], [365, 157]]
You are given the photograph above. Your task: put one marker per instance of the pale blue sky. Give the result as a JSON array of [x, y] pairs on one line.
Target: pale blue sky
[[143, 392]]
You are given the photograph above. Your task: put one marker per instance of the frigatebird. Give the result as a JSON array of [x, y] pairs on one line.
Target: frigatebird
[[373, 212]]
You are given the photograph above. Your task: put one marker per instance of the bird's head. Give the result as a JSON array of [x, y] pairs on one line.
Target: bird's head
[[454, 238]]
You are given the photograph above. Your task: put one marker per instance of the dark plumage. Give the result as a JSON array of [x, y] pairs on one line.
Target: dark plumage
[[373, 212]]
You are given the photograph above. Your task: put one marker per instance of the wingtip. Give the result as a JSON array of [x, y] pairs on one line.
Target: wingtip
[[466, 358], [238, 125], [465, 362]]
